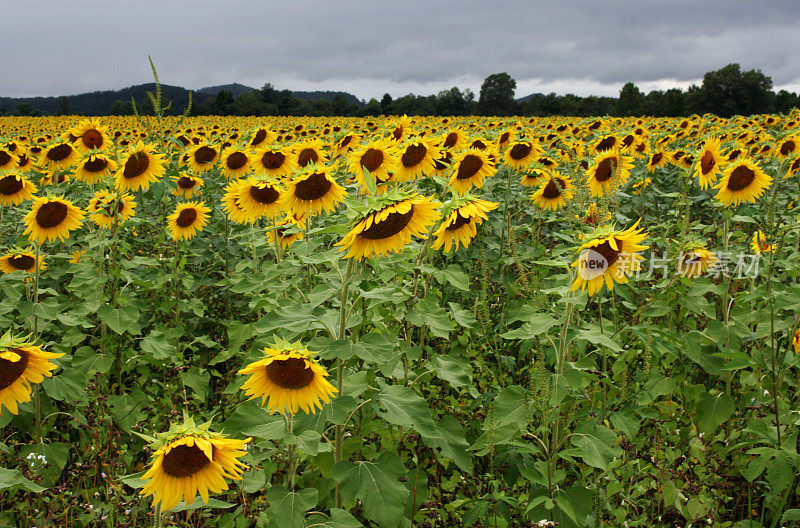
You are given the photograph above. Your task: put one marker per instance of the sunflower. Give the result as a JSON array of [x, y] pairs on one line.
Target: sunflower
[[308, 152], [794, 168], [376, 158], [696, 261], [235, 163], [25, 159], [201, 158], [260, 137], [274, 162], [533, 177], [593, 216], [520, 154], [8, 160], [345, 144], [52, 218], [471, 167], [287, 231], [21, 261], [187, 220], [230, 202], [88, 135], [415, 160], [58, 156], [609, 256], [75, 256], [21, 363], [796, 342], [257, 198], [312, 191], [788, 147], [15, 189], [186, 185], [453, 140], [95, 168], [609, 171], [401, 129], [759, 244], [657, 159], [389, 224], [742, 181], [605, 143], [288, 379], [709, 166], [553, 193], [462, 218], [107, 208], [141, 167], [191, 460]]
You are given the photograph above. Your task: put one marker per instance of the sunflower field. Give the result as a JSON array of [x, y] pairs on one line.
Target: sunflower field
[[394, 322]]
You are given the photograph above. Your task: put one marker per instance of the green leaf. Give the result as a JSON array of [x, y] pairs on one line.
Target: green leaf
[[199, 504], [428, 312], [376, 485], [13, 478], [158, 347], [399, 405], [338, 519], [595, 448], [455, 371], [288, 508], [120, 320], [198, 380], [369, 181], [535, 325], [713, 411], [593, 336], [454, 275], [462, 317]]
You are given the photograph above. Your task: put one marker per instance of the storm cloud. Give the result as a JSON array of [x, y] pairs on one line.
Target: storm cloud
[[369, 48]]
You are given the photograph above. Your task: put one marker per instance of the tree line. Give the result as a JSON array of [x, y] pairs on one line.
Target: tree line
[[725, 92]]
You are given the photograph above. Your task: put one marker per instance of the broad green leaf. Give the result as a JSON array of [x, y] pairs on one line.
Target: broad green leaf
[[289, 509], [713, 410], [338, 519], [376, 485], [535, 325], [13, 478]]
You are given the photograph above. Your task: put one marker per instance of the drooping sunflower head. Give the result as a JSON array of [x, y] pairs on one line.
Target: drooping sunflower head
[[415, 159], [15, 189], [108, 208], [471, 168], [388, 223], [21, 260], [312, 191], [52, 218], [21, 364], [534, 176], [187, 220], [742, 181], [235, 163], [696, 260], [89, 135], [140, 167], [288, 378], [608, 256], [710, 162], [608, 173], [202, 158], [462, 216], [187, 185], [191, 459], [553, 193]]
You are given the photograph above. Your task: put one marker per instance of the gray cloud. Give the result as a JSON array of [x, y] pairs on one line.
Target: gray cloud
[[369, 48]]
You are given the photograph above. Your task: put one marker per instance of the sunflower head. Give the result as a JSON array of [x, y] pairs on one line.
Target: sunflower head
[[312, 191], [608, 173], [15, 189], [760, 244], [695, 260], [553, 192], [22, 363], [742, 181], [88, 135], [21, 260], [52, 218], [187, 220], [462, 216], [288, 378], [709, 163], [140, 167]]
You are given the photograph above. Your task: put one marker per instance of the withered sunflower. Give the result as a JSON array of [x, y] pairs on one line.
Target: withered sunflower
[[389, 224], [608, 256], [15, 189], [140, 167], [742, 181], [21, 364], [52, 218], [288, 379], [311, 192], [187, 220], [462, 218]]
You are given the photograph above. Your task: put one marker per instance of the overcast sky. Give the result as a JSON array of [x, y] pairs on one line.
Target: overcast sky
[[372, 47]]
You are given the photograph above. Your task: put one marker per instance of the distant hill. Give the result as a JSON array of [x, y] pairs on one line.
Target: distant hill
[[529, 97], [101, 102]]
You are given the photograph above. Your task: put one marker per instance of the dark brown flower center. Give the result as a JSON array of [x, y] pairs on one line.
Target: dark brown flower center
[[184, 182], [186, 217], [95, 165], [605, 170], [184, 461], [272, 160], [136, 165], [59, 152], [397, 134], [520, 151], [10, 185], [51, 214], [314, 187], [393, 224], [608, 253], [264, 195], [5, 157], [478, 144], [504, 137], [628, 140], [10, 371], [443, 162], [554, 188], [204, 155], [787, 147], [260, 136], [469, 167], [22, 262], [236, 161], [290, 373], [413, 155], [707, 162], [306, 156], [606, 143], [735, 153], [741, 178], [450, 140], [345, 141], [372, 159], [458, 222], [92, 138], [23, 160]]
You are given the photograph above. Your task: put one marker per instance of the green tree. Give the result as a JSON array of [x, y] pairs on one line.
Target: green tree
[[785, 101], [497, 95], [386, 103], [729, 91], [63, 106], [631, 101], [121, 108]]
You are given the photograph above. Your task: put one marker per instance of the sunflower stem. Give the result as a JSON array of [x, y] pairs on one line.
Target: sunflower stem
[[291, 465], [337, 442], [36, 295], [157, 518]]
